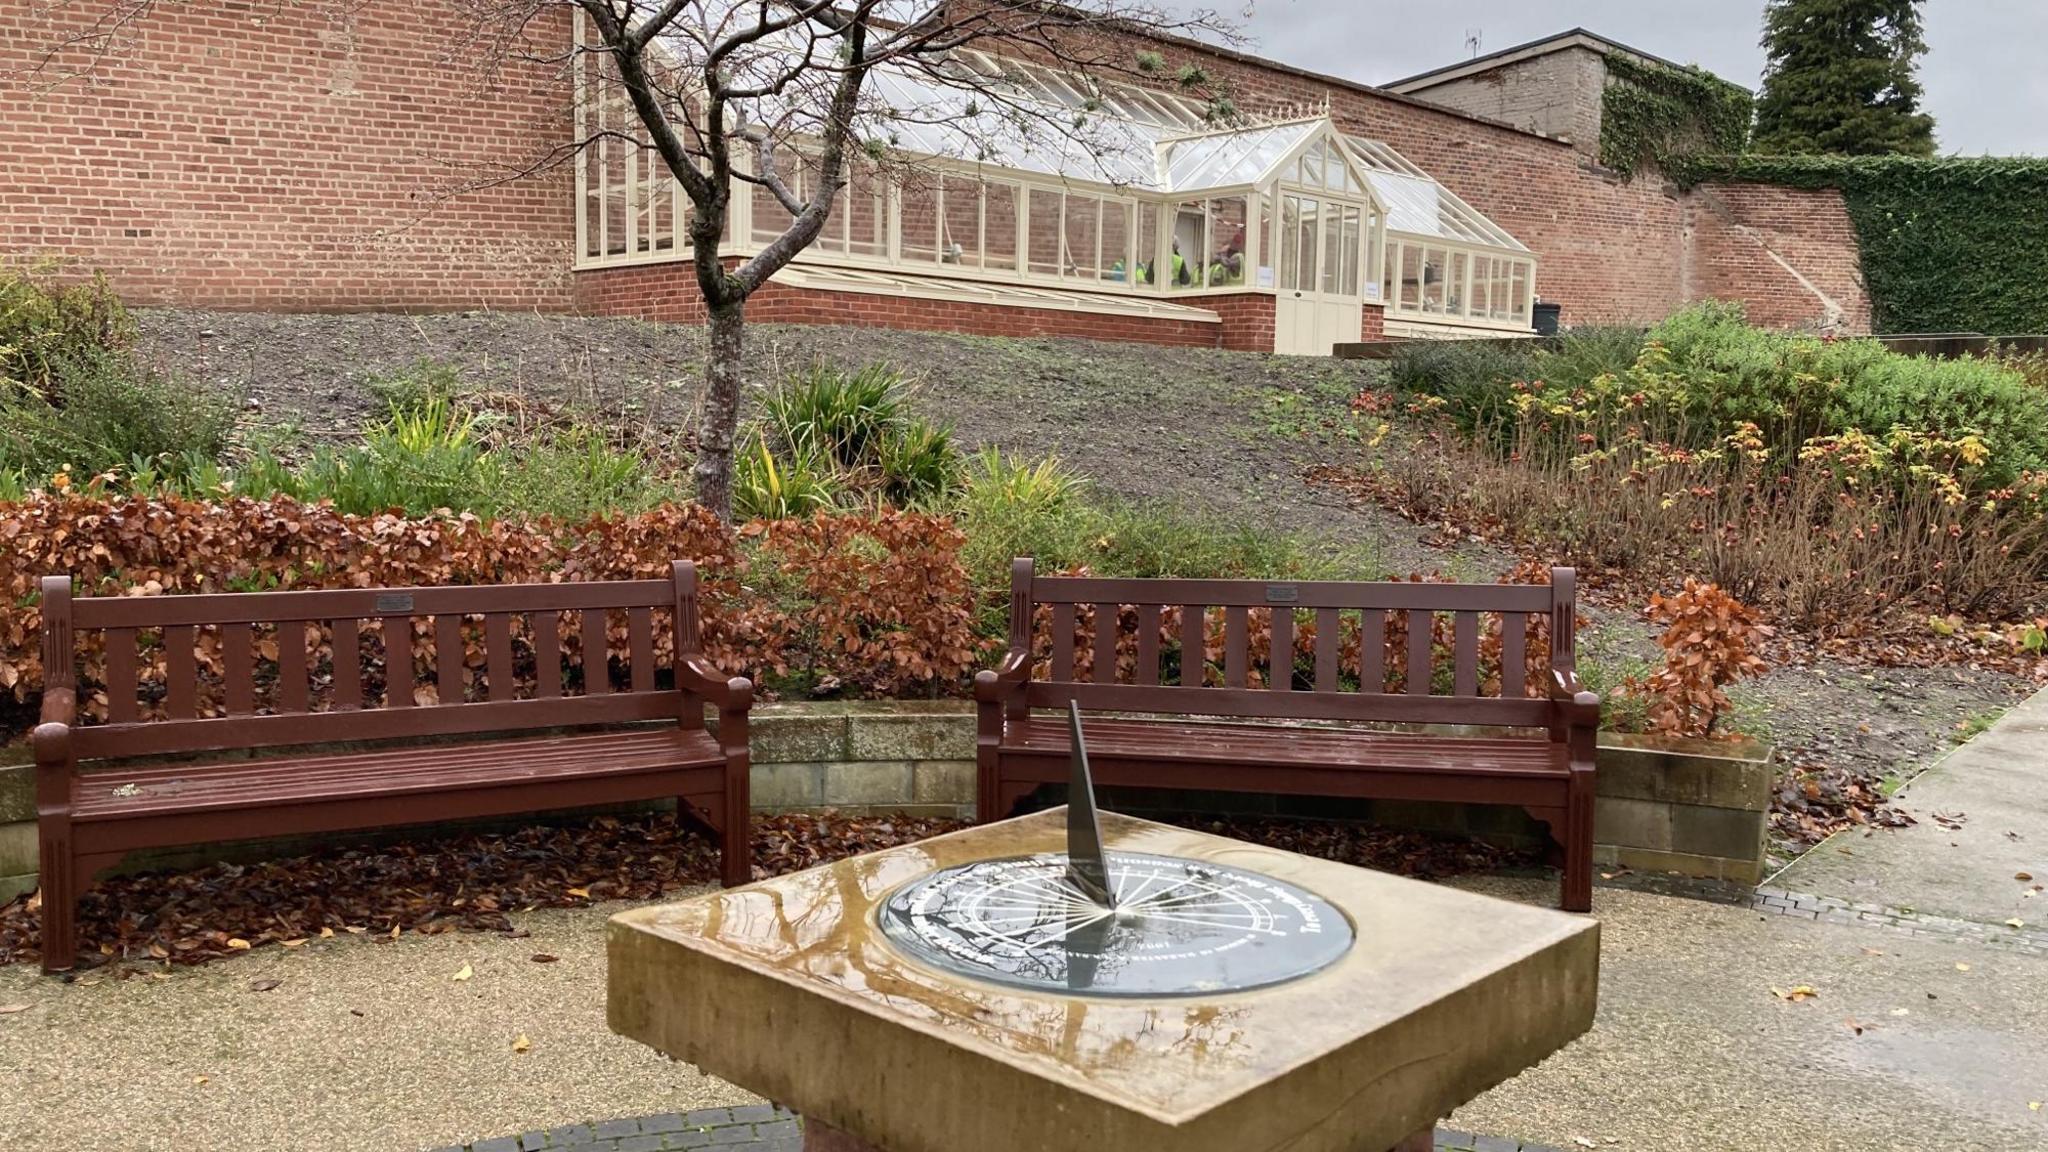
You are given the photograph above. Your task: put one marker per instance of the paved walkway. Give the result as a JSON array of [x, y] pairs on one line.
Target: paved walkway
[[1926, 1026], [1983, 821]]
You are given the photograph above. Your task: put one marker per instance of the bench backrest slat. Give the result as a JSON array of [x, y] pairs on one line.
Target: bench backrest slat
[[120, 677], [400, 677], [1285, 648], [237, 670]]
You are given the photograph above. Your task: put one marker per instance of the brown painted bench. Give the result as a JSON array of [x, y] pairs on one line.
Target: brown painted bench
[[1177, 742], [263, 694]]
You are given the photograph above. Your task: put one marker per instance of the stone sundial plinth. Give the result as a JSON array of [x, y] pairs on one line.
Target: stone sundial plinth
[[1072, 981]]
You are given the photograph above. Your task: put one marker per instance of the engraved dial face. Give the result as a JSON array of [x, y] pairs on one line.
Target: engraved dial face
[[1180, 927]]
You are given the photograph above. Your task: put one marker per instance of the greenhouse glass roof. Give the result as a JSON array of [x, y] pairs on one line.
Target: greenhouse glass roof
[[1013, 114], [1417, 204]]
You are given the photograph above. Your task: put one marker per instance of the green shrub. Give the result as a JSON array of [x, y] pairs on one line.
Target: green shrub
[[417, 387], [1475, 378], [575, 473], [44, 323], [856, 426], [99, 411], [1008, 509], [918, 464], [767, 487]]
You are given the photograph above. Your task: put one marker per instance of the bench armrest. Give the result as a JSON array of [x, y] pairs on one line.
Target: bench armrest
[[1578, 712], [729, 693], [990, 686], [1566, 689], [51, 740], [60, 706]]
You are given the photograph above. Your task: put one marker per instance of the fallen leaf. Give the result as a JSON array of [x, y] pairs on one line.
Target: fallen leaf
[[2015, 922], [1902, 1011], [200, 1079], [263, 985], [1795, 994], [1962, 967], [1582, 1142], [11, 1009], [2033, 1105], [239, 944], [465, 974], [583, 892], [2023, 877], [327, 933], [522, 1044], [1873, 951], [354, 930], [543, 958], [394, 931], [355, 1011], [299, 943]]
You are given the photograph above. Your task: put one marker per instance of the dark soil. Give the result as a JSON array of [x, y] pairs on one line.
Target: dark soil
[[1223, 432]]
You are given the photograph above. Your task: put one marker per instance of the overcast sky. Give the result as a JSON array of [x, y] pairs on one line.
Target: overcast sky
[[1985, 82]]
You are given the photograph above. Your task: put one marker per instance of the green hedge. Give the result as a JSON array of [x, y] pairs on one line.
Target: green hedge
[[1949, 245]]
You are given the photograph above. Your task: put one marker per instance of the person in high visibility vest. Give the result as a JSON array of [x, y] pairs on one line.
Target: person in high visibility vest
[[1181, 276]]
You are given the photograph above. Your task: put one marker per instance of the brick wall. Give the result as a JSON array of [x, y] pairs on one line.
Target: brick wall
[[1789, 255], [1247, 320], [669, 292], [1373, 324], [1558, 94], [240, 156], [243, 155]]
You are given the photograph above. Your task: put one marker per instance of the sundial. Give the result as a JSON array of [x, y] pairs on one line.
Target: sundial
[[1091, 922], [1082, 980]]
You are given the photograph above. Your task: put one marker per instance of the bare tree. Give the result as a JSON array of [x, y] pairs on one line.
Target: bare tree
[[738, 94]]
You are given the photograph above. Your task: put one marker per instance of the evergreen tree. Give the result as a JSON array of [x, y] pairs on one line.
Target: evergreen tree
[[1840, 79]]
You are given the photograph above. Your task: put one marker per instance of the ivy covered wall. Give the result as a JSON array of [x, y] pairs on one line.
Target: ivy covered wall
[[1656, 114], [1948, 245]]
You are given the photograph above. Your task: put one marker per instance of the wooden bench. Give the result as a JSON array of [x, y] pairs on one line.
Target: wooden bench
[[261, 691], [1547, 772]]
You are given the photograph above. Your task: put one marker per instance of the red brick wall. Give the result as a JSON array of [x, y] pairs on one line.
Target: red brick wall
[[250, 155], [240, 155], [1789, 255], [669, 292], [1373, 324], [1247, 320]]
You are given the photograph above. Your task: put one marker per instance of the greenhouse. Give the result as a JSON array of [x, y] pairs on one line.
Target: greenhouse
[[1145, 205]]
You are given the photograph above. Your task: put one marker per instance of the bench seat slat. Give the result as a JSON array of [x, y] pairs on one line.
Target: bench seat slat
[[1253, 745], [265, 783]]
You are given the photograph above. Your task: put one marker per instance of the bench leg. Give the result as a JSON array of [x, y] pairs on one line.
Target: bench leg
[[736, 838], [1577, 895], [60, 902]]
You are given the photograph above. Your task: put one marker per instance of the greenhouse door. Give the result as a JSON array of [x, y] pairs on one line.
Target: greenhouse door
[[1318, 303]]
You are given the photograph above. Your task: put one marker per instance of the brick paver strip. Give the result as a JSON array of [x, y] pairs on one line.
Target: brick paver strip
[[759, 1128], [2029, 939]]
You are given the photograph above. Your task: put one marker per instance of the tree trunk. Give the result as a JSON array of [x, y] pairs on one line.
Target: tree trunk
[[713, 471]]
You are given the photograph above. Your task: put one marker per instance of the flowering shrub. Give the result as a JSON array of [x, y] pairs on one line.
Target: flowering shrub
[[885, 605], [1669, 467]]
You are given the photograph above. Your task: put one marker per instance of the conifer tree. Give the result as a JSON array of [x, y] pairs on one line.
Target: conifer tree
[[1840, 79]]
